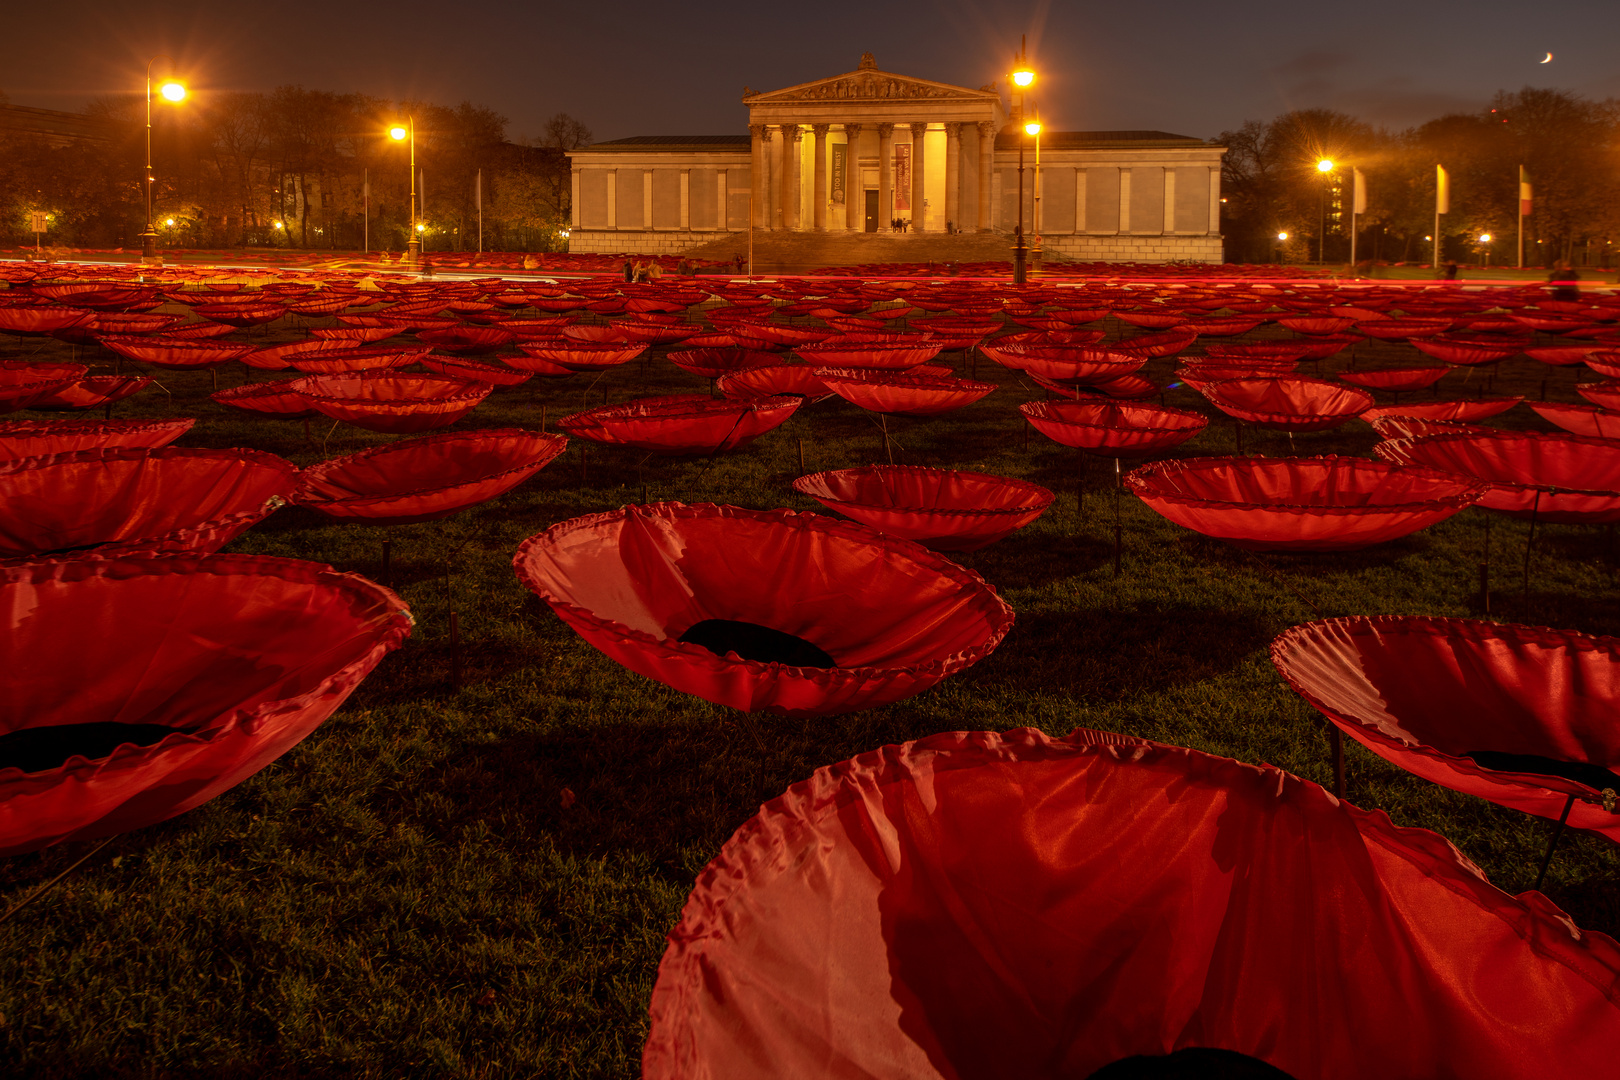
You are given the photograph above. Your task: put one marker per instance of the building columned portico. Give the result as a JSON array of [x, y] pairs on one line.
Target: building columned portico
[[871, 151]]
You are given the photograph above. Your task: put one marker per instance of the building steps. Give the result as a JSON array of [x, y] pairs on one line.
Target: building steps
[[777, 251]]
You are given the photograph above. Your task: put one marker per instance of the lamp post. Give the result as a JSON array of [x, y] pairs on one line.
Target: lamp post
[[1484, 249], [402, 133], [1023, 77], [1034, 128], [1325, 167], [173, 91]]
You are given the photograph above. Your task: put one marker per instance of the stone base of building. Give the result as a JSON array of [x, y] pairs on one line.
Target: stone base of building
[[1142, 249], [643, 241]]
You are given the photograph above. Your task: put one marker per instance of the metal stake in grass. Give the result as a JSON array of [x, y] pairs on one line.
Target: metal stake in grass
[[802, 470], [1558, 832]]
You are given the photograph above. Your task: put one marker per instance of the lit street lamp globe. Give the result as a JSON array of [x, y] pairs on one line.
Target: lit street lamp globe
[[1032, 128], [397, 133], [1325, 166], [173, 91]]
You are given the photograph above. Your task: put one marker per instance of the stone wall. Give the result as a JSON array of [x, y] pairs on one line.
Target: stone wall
[[645, 241], [1147, 249]]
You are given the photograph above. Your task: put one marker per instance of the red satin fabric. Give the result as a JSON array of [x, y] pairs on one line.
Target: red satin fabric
[[1391, 426], [1113, 428], [41, 319], [895, 617], [1327, 503], [942, 509], [366, 358], [460, 367], [91, 392], [1562, 478], [902, 394], [893, 352], [474, 340], [129, 499], [1395, 379], [1463, 410], [246, 655], [713, 363], [1605, 395], [1464, 353], [169, 352], [275, 357], [582, 355], [426, 478], [774, 379], [389, 402], [1423, 693], [682, 424], [39, 438], [1586, 420], [1287, 402], [267, 399], [974, 906]]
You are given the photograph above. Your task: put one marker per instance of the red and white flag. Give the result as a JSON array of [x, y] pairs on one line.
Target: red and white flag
[[1524, 192]]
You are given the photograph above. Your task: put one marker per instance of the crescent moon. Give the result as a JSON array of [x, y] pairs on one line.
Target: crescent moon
[[1546, 61]]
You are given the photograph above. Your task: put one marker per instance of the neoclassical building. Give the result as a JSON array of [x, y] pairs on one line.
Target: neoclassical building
[[871, 151]]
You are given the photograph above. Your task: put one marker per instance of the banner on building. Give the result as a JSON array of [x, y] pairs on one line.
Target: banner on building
[[838, 166]]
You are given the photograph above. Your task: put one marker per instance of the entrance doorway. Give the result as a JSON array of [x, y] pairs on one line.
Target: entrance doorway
[[871, 210]]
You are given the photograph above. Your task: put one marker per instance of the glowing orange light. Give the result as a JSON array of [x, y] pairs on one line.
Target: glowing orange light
[[173, 91]]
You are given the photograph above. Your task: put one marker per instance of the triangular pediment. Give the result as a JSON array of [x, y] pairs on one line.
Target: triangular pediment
[[870, 84]]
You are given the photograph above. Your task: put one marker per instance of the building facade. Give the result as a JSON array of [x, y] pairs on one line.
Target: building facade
[[871, 151]]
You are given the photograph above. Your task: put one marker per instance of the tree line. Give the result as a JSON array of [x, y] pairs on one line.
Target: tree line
[[1569, 147], [292, 168]]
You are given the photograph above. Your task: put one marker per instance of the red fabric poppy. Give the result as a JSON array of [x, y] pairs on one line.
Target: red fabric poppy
[[682, 424], [1390, 425], [1462, 410], [461, 367], [902, 394], [799, 379], [426, 478], [39, 438], [128, 499], [1287, 402], [713, 363], [40, 319], [389, 402], [1327, 503], [365, 358], [582, 355], [889, 352], [1605, 394], [892, 617], [1561, 355], [471, 340], [1465, 353], [92, 391], [1560, 478], [274, 398], [1431, 694], [1402, 329], [1581, 419], [153, 685], [1113, 428], [241, 315], [1395, 380], [1316, 324], [975, 904], [942, 509], [167, 351], [355, 335]]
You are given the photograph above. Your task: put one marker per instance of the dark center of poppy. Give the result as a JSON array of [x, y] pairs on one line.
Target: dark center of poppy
[[1192, 1063], [41, 749], [754, 642], [1582, 772]]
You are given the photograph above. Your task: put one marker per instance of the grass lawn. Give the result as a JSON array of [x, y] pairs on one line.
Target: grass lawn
[[410, 892]]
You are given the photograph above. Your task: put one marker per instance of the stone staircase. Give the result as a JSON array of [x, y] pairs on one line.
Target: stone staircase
[[779, 252]]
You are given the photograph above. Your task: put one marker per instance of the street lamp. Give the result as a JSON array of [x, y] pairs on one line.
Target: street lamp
[[1034, 128], [1023, 77], [171, 91], [400, 133], [1484, 249], [1325, 167]]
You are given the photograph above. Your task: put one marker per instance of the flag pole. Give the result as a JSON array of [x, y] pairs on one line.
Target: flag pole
[[480, 195], [365, 206]]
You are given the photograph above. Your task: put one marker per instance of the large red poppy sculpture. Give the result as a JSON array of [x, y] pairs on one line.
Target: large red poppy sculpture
[[1113, 428], [391, 403], [1553, 477], [768, 611], [39, 438], [132, 499], [142, 688], [758, 382], [1521, 715], [890, 352], [902, 394], [1327, 503], [942, 509], [1287, 402], [426, 478], [984, 905], [682, 424]]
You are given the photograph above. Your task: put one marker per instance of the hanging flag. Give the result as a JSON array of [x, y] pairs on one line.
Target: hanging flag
[[1358, 193], [1442, 190], [1524, 192], [365, 195], [478, 191]]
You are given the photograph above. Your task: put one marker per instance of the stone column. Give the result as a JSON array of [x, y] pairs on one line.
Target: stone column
[[854, 193], [1126, 225], [791, 135], [953, 176], [885, 176], [987, 153], [573, 205], [818, 213], [646, 199], [1214, 202], [919, 148], [686, 198], [757, 134], [613, 198], [722, 187], [1169, 202]]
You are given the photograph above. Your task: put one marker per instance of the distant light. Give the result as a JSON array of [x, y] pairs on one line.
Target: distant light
[[1484, 237], [1428, 238], [279, 225], [421, 228], [173, 91], [168, 221], [397, 133], [1024, 78], [1032, 128], [1282, 236], [1324, 165]]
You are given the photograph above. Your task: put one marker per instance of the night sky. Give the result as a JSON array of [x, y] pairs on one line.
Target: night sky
[[632, 67]]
